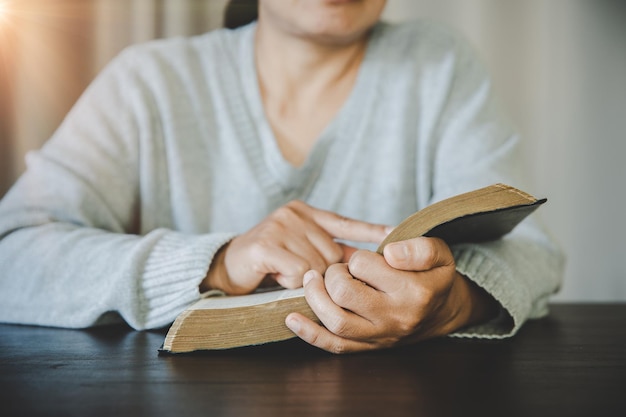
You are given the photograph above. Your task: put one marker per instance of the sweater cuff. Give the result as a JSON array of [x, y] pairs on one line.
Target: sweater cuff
[[499, 281], [173, 272]]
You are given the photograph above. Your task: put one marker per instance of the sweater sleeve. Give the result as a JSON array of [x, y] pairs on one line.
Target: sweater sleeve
[[71, 250], [476, 146]]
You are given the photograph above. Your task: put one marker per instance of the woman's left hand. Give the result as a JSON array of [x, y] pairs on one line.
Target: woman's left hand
[[412, 293]]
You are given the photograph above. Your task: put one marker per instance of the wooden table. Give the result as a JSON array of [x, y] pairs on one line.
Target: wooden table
[[572, 363]]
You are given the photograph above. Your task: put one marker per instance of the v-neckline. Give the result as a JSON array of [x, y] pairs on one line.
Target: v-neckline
[[283, 174]]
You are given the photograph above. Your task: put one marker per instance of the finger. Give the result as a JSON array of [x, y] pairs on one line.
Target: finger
[[418, 254], [297, 216], [330, 250], [353, 294], [304, 248], [287, 268], [372, 269], [349, 229], [337, 320], [348, 251], [322, 338]]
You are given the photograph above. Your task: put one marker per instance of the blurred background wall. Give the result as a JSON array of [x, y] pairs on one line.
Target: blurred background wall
[[559, 67]]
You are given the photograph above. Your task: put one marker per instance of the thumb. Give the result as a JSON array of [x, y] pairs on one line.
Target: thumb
[[418, 254]]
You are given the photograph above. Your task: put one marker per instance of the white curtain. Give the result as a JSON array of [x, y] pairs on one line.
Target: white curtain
[[121, 22], [51, 49]]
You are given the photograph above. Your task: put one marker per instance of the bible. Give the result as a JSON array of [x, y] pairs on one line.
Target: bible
[[224, 322]]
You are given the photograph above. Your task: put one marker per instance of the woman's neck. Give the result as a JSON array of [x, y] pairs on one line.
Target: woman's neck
[[291, 67], [303, 86]]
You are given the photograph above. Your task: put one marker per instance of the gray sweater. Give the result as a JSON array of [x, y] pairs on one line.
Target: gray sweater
[[168, 155]]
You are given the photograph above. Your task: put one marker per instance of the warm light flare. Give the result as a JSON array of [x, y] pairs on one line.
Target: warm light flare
[[4, 9]]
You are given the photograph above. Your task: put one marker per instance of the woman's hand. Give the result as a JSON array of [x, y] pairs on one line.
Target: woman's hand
[[292, 240], [412, 293]]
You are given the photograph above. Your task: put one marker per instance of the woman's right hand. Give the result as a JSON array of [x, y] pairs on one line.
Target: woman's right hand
[[293, 239]]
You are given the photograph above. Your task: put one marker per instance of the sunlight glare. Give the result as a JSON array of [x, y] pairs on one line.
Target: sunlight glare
[[4, 11]]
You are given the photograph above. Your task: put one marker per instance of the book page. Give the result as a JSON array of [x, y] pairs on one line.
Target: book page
[[223, 302]]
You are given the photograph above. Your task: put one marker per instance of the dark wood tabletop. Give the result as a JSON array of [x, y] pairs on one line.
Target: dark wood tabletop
[[572, 363]]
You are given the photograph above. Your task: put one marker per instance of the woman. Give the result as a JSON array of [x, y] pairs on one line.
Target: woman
[[224, 161]]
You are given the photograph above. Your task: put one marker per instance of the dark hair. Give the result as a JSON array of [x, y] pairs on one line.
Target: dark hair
[[240, 12]]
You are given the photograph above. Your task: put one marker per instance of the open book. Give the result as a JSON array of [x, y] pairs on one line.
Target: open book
[[225, 322]]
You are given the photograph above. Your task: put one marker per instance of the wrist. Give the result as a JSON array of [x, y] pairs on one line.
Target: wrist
[[217, 275], [482, 306]]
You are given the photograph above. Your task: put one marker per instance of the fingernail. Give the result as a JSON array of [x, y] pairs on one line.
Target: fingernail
[[308, 276], [292, 323]]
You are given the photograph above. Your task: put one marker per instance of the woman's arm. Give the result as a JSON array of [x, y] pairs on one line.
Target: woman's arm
[[72, 249]]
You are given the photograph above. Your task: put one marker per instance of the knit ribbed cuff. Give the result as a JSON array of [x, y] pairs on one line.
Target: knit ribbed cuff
[[173, 272], [498, 281]]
